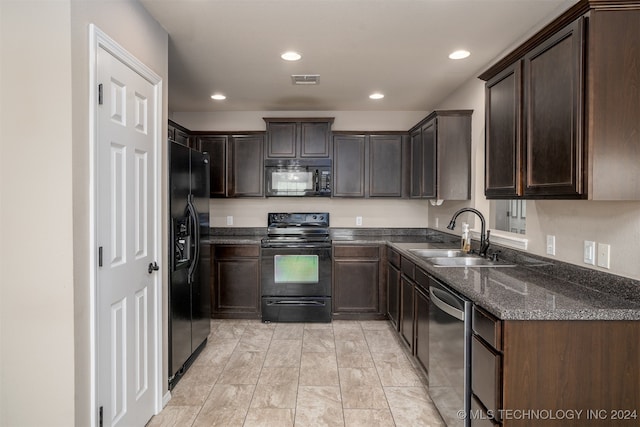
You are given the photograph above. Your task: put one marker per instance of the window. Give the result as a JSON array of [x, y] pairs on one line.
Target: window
[[509, 215]]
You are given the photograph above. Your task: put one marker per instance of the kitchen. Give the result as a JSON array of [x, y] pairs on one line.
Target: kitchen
[[571, 222]]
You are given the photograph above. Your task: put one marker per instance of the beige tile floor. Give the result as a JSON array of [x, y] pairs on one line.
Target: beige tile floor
[[346, 373]]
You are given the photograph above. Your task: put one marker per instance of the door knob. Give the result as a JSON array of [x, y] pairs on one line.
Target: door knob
[[153, 266]]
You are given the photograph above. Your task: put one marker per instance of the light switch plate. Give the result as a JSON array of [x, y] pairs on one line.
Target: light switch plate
[[604, 253], [551, 245], [589, 252]]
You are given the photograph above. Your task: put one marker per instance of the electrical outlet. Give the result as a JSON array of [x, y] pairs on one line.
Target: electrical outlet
[[551, 245], [358, 220], [230, 220], [437, 222], [589, 252], [604, 255]]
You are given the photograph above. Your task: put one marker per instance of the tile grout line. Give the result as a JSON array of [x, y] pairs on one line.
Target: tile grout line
[[217, 378], [335, 350], [258, 379], [375, 366]]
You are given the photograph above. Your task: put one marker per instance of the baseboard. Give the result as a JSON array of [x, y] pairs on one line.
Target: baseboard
[[166, 398]]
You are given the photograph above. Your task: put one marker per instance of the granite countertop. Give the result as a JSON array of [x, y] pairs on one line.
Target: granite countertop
[[535, 289], [529, 292], [232, 240]]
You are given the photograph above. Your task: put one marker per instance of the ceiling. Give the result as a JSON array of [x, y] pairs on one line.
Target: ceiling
[[397, 47]]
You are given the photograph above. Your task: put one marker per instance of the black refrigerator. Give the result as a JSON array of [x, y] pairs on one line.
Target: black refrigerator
[[189, 291]]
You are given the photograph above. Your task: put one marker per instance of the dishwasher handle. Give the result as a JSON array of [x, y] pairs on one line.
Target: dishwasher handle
[[450, 310]]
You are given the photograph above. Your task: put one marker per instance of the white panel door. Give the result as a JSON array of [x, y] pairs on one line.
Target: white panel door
[[126, 289]]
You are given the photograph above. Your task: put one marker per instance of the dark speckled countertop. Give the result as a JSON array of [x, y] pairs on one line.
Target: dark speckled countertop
[[526, 292], [536, 289]]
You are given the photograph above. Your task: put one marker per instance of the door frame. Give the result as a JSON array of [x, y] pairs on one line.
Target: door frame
[[100, 40]]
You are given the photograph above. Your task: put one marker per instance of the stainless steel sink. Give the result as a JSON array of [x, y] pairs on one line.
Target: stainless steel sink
[[466, 261], [432, 253]]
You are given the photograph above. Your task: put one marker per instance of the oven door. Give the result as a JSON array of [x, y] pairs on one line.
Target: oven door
[[296, 272]]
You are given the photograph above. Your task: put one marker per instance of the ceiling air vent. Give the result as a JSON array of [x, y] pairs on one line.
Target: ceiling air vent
[[305, 79]]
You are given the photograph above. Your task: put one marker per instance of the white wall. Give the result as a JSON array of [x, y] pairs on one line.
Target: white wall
[[36, 224], [45, 365], [374, 212], [344, 120]]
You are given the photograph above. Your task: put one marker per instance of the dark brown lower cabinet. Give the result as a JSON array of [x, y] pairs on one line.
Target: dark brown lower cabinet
[[406, 310], [236, 281], [407, 304], [393, 294], [357, 293], [555, 373], [422, 327]]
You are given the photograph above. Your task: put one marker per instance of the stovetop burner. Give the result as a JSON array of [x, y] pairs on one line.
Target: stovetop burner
[[289, 229]]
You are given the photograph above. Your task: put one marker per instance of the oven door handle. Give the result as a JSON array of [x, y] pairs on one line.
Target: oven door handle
[[294, 302], [450, 310]]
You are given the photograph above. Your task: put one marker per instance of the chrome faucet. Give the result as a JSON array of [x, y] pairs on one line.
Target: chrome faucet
[[484, 233]]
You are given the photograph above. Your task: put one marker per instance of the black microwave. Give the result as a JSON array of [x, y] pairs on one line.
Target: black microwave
[[297, 177]]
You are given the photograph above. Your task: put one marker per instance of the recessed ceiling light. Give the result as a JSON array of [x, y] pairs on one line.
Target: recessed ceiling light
[[218, 97], [459, 54], [376, 95], [291, 56]]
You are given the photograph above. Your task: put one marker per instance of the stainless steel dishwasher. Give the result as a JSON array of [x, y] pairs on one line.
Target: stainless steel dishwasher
[[450, 353]]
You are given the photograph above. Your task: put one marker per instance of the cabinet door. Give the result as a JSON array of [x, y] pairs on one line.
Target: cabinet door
[[385, 166], [236, 280], [429, 160], [315, 138], [246, 166], [422, 327], [348, 165], [486, 370], [183, 138], [554, 115], [356, 284], [503, 157], [216, 146], [416, 164], [406, 309], [281, 139], [393, 294]]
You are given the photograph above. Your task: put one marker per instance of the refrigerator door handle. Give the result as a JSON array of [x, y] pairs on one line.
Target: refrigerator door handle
[[193, 215]]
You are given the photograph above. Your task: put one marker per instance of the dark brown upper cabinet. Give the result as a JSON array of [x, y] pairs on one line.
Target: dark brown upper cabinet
[[236, 163], [441, 156], [179, 134], [369, 165], [348, 165], [503, 153], [216, 146], [246, 166], [298, 138], [563, 109], [386, 171], [553, 118]]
